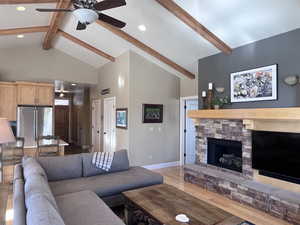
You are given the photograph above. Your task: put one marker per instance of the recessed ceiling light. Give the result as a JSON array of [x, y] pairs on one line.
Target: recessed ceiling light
[[142, 27], [73, 84], [20, 36], [21, 8]]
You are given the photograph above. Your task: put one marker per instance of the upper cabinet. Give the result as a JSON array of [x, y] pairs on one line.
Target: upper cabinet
[[25, 93], [8, 104], [44, 95], [40, 94]]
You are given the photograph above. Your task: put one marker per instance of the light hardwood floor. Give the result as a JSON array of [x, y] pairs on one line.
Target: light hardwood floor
[[174, 176]]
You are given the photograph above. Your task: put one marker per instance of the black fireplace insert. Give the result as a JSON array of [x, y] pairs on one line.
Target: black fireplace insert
[[225, 154]]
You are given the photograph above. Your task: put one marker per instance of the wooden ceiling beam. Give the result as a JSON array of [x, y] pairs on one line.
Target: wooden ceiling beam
[[185, 17], [14, 2], [24, 30], [86, 45], [144, 47], [55, 23]]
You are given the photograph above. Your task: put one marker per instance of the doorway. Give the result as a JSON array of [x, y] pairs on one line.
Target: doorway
[[187, 131], [109, 124], [62, 119], [96, 125]]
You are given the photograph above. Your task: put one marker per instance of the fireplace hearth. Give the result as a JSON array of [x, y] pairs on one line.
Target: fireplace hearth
[[225, 154]]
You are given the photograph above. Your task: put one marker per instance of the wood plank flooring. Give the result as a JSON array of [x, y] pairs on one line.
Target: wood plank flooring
[[4, 193], [174, 176]]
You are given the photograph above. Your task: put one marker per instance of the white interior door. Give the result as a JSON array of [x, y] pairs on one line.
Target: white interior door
[[190, 133], [96, 125], [109, 124]]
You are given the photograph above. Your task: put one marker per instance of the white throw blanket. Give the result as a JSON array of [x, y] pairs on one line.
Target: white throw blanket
[[103, 160]]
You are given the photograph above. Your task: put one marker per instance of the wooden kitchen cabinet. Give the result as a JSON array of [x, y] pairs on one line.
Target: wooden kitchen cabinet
[[8, 104], [34, 93], [25, 93], [44, 95]]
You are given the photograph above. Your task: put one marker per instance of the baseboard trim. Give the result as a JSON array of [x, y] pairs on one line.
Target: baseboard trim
[[162, 165]]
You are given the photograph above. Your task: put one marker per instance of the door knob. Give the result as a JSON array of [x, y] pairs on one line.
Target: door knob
[[104, 132]]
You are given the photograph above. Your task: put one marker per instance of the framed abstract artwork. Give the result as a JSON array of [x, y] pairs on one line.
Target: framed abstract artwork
[[152, 113], [122, 118], [258, 84]]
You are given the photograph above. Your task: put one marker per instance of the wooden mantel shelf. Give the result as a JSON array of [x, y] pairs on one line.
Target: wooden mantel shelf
[[264, 119], [292, 113]]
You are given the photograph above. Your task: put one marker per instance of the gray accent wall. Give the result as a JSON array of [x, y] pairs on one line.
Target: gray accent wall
[[283, 50]]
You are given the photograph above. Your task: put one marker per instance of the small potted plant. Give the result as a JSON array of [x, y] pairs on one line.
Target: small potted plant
[[219, 102]]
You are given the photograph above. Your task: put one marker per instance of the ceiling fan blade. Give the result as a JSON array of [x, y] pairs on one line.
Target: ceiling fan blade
[[111, 20], [54, 10], [109, 4], [81, 26]]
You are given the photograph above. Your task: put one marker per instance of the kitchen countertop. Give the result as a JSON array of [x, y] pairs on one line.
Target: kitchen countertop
[[44, 143]]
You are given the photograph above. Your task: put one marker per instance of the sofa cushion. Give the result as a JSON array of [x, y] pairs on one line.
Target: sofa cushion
[[85, 208], [36, 185], [119, 163], [19, 202], [62, 167], [42, 212], [31, 167], [108, 184]]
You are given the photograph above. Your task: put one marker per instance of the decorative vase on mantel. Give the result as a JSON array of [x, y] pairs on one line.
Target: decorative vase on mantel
[[216, 107]]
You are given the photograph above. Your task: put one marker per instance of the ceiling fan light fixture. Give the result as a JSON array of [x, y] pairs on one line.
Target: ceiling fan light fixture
[[85, 16]]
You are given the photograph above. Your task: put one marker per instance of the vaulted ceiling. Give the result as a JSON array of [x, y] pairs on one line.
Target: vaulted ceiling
[[235, 22]]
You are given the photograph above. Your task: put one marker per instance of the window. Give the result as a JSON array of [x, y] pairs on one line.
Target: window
[[62, 102]]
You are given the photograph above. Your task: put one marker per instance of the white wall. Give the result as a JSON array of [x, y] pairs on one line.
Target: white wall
[[153, 143], [189, 87], [143, 82], [32, 63], [115, 75]]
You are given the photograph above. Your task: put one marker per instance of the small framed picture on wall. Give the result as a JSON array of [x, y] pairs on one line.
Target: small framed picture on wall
[[258, 84], [122, 118], [153, 113]]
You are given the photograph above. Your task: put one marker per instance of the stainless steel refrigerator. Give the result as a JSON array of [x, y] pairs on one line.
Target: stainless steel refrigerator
[[34, 121]]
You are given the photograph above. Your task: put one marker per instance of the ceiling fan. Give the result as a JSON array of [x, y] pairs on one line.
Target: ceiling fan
[[88, 11]]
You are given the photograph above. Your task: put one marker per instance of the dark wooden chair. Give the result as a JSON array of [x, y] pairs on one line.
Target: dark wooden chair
[[19, 149], [12, 154], [47, 146]]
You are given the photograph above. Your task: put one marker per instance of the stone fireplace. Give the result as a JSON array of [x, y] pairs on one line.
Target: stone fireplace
[[224, 157], [231, 132]]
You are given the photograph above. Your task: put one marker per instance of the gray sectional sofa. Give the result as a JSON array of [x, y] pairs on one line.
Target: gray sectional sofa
[[69, 190]]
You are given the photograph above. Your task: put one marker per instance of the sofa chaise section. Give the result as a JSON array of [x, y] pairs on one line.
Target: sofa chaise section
[[85, 208]]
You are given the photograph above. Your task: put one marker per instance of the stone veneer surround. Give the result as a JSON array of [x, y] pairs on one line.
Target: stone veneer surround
[[274, 201], [237, 186], [224, 129]]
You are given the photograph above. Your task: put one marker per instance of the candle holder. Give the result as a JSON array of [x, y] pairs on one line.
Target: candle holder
[[204, 102], [210, 96]]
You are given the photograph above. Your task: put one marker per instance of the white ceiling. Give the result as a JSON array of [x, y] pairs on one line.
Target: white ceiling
[[234, 21]]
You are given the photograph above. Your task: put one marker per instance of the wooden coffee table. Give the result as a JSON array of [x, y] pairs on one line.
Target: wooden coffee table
[[159, 205]]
